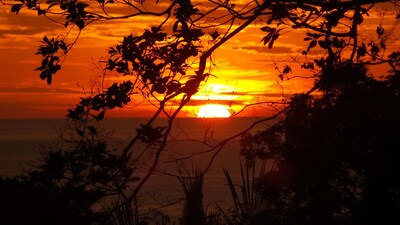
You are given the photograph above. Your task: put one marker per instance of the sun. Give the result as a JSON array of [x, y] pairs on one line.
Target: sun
[[213, 111]]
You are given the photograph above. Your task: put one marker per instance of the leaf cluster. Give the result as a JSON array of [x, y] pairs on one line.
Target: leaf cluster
[[149, 134], [333, 155], [116, 96], [156, 60], [68, 185], [272, 35], [73, 11], [49, 50], [322, 146]]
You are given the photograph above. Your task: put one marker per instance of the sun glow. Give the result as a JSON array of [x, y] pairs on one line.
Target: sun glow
[[214, 91], [213, 111]]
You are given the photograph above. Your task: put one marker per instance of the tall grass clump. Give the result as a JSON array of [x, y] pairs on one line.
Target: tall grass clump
[[248, 203], [122, 213], [126, 213], [194, 212]]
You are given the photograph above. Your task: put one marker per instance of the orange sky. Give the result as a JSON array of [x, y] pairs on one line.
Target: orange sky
[[245, 68]]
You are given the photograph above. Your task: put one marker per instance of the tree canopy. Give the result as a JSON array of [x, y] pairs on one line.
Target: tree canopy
[[168, 62], [334, 156]]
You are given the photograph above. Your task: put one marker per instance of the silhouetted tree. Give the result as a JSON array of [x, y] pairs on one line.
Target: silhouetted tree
[[68, 186], [169, 61], [334, 155], [24, 201]]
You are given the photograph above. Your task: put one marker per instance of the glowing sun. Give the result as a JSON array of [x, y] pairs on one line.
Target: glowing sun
[[213, 111]]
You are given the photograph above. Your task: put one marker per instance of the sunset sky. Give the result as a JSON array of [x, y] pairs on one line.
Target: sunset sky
[[245, 68]]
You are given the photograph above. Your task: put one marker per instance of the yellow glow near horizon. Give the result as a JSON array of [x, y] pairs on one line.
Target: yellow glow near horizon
[[214, 91], [213, 111]]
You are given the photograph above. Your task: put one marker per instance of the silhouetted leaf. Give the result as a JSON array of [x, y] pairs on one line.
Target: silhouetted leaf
[[336, 43], [266, 29], [100, 116], [266, 39], [92, 130], [80, 23], [312, 44], [313, 35], [380, 31], [49, 79], [41, 12], [286, 69], [323, 44], [271, 43], [214, 35], [309, 65], [16, 8]]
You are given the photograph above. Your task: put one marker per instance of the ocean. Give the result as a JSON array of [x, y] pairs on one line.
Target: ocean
[[22, 140]]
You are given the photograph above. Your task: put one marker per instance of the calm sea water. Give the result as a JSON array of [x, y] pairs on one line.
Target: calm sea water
[[21, 141]]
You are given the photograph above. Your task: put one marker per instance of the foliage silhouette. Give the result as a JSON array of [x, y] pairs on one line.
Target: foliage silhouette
[[26, 201], [69, 184], [168, 62], [334, 155], [194, 211], [128, 214], [249, 203]]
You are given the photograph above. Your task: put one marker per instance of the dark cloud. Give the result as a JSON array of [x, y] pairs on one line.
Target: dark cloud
[[233, 93], [196, 102], [26, 24], [271, 95], [265, 49], [37, 90], [278, 50], [16, 31], [259, 77]]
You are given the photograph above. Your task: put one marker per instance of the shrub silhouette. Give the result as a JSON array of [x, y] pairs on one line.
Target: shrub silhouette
[[334, 154]]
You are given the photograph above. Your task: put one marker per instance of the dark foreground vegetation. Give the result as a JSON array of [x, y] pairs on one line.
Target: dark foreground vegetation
[[335, 165], [331, 158]]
